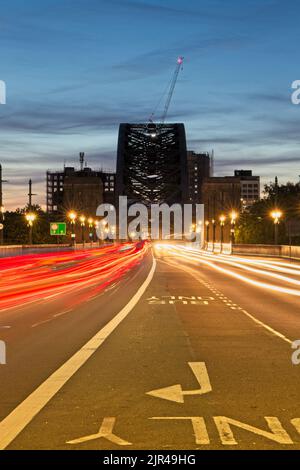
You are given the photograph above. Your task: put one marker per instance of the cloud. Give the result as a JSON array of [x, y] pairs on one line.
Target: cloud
[[154, 61], [260, 161]]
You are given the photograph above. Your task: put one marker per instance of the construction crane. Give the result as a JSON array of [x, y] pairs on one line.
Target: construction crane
[[171, 90], [172, 87]]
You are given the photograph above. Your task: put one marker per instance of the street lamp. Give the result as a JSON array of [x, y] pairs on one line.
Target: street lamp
[[222, 219], [2, 211], [82, 223], [96, 225], [214, 233], [91, 225], [276, 215], [207, 230], [233, 216], [30, 218], [72, 216]]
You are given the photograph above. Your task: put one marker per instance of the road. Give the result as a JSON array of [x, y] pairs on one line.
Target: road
[[139, 348]]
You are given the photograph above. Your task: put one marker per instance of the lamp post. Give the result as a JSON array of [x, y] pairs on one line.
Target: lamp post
[[96, 226], [207, 231], [276, 214], [72, 217], [233, 216], [30, 218], [222, 219], [2, 211], [82, 223], [91, 226], [214, 233]]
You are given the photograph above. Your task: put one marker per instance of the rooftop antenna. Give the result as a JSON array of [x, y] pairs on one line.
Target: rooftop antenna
[[30, 194], [81, 160]]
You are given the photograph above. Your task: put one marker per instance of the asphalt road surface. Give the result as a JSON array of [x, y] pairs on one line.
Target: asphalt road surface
[[180, 350]]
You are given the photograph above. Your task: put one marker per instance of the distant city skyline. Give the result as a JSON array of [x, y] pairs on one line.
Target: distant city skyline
[[75, 69]]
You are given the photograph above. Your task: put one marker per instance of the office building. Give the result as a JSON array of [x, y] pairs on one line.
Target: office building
[[198, 165]]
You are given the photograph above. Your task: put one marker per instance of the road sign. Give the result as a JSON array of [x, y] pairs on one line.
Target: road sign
[[58, 228]]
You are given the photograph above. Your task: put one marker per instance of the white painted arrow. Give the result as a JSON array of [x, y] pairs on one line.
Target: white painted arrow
[[175, 392]]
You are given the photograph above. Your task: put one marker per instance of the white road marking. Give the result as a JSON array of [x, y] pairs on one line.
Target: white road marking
[[5, 327], [191, 271], [105, 431], [277, 434], [175, 392], [62, 313], [41, 322], [21, 416], [198, 423]]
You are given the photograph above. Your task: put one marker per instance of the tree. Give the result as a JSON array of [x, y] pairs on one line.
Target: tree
[[256, 225], [16, 229]]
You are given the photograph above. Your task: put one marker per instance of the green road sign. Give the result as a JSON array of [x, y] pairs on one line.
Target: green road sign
[[58, 228]]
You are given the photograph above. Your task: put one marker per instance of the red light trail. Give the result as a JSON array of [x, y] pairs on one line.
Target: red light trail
[[30, 278]]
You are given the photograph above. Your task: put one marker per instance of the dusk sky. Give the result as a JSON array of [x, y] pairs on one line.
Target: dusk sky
[[75, 69]]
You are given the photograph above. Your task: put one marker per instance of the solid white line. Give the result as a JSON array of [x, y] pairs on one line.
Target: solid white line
[[21, 416], [192, 271]]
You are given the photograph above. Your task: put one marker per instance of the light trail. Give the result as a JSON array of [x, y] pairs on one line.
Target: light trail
[[87, 272], [193, 256], [269, 264], [246, 268]]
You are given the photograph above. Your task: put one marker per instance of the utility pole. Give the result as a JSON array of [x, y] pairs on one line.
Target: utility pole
[[1, 208], [30, 194], [30, 217]]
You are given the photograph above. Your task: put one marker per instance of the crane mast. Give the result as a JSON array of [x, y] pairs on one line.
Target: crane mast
[[172, 87]]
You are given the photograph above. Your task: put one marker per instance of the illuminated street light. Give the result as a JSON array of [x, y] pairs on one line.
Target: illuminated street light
[[91, 227], [82, 223], [2, 211], [222, 219], [276, 215], [30, 218], [72, 216], [207, 230], [233, 216], [214, 233]]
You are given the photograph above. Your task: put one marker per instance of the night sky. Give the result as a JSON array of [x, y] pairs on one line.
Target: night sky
[[75, 69]]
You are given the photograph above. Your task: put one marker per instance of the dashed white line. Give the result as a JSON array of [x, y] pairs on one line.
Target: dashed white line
[[191, 271]]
